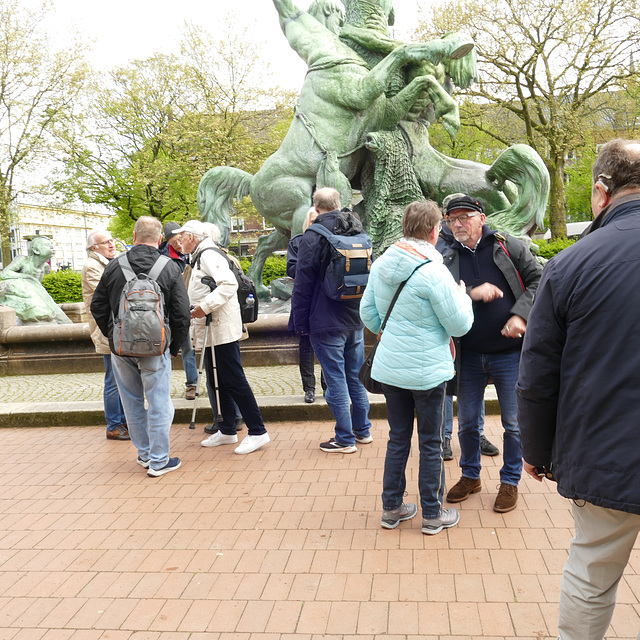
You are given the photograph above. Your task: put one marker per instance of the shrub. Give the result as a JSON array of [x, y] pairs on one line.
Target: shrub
[[274, 267], [549, 249], [63, 286]]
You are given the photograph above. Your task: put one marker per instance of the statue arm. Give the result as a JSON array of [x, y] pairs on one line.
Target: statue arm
[[15, 269], [376, 81], [306, 36], [369, 39]]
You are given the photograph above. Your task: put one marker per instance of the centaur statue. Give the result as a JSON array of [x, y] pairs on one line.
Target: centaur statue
[[365, 94]]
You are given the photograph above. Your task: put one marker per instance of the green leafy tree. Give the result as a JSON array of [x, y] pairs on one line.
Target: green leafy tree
[[546, 62], [157, 125], [38, 90]]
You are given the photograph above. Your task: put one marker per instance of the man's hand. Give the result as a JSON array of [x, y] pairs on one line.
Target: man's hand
[[462, 286], [531, 470], [486, 292], [515, 327], [197, 312]]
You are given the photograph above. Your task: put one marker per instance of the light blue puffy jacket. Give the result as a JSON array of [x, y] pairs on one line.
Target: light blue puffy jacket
[[414, 350]]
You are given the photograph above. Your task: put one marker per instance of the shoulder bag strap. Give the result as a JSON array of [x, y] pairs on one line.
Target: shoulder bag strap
[[395, 297]]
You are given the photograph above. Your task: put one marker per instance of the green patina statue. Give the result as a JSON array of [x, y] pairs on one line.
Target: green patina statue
[[21, 287], [361, 122]]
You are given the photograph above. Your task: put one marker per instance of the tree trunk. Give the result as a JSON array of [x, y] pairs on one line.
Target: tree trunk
[[5, 232], [557, 203]]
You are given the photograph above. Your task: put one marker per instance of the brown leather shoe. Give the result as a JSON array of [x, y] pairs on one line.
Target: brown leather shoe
[[507, 498], [190, 393], [119, 433], [463, 489]]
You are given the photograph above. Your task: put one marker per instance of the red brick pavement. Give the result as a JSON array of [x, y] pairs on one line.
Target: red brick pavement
[[284, 543]]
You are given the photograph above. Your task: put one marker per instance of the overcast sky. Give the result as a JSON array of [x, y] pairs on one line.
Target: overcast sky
[[125, 30]]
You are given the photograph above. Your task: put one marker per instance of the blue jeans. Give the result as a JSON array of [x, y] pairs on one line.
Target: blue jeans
[[448, 418], [113, 411], [475, 371], [429, 408], [189, 363], [341, 354], [149, 428]]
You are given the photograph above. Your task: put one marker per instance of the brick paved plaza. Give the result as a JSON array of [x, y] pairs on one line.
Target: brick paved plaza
[[284, 543]]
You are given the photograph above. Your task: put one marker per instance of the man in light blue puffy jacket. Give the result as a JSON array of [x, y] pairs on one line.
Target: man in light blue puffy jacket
[[414, 361]]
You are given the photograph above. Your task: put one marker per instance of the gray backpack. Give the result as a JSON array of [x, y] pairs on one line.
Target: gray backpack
[[141, 328]]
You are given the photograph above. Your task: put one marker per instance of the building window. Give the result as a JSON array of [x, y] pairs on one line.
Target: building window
[[237, 224]]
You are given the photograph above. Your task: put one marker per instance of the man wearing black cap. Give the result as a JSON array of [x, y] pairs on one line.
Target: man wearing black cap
[[502, 276], [172, 248]]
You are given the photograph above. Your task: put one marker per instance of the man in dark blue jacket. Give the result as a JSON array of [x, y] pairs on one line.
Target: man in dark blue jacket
[[502, 276], [578, 404], [334, 326]]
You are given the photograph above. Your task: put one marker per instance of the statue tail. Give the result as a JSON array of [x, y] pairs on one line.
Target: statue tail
[[216, 191], [521, 165]]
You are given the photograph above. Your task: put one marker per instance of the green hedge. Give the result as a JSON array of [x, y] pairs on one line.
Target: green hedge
[[274, 267], [63, 286], [549, 249]]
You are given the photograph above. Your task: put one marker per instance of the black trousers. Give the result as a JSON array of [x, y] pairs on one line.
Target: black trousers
[[306, 362], [233, 387]]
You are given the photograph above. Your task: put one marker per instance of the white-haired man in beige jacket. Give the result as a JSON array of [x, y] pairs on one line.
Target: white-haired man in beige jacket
[[101, 247]]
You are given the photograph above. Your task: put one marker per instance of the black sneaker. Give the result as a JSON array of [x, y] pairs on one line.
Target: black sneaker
[[486, 448], [172, 465], [210, 429], [332, 445], [309, 396], [447, 453]]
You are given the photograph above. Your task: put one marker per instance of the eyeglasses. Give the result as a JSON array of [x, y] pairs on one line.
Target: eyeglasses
[[463, 219], [100, 244]]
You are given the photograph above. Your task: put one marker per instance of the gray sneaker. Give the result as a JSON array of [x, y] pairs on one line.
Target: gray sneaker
[[393, 517], [448, 518]]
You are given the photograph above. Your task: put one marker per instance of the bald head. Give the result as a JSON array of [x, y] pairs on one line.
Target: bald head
[[326, 199], [147, 230]]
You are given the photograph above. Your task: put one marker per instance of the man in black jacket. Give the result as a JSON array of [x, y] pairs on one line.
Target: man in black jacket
[[502, 276], [578, 404], [334, 326], [146, 377]]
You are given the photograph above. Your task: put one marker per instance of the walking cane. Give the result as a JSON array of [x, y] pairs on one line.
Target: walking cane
[[217, 417]]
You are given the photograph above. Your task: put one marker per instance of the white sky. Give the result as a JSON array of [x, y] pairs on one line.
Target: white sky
[[125, 30]]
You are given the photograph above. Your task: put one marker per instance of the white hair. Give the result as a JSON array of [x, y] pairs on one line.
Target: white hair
[[213, 230], [91, 238]]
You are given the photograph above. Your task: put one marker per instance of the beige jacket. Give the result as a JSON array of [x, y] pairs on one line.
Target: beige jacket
[[221, 303], [91, 274]]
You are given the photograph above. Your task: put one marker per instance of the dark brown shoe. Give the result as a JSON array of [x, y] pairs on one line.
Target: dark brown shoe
[[190, 393], [119, 433], [507, 498], [463, 489]]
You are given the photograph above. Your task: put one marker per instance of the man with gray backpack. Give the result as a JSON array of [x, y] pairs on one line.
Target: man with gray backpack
[[141, 306]]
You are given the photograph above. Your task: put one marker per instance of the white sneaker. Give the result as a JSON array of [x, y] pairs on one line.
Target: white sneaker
[[252, 443], [219, 438]]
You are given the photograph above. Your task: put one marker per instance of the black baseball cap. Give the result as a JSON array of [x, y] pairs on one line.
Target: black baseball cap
[[464, 202], [170, 230]]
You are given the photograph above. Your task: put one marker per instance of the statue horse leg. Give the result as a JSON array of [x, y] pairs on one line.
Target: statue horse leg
[[276, 241]]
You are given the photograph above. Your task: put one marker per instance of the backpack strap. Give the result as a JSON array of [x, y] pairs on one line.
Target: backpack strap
[[158, 266], [321, 230], [154, 273], [125, 265]]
